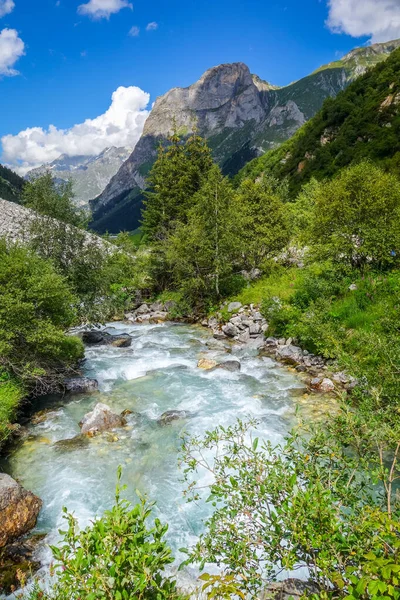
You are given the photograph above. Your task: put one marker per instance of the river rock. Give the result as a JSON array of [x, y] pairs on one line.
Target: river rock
[[100, 419], [271, 342], [19, 510], [143, 309], [157, 307], [244, 337], [230, 330], [172, 415], [322, 384], [293, 355], [158, 317], [230, 365], [71, 444], [93, 337], [234, 306], [207, 364], [289, 589], [255, 329], [18, 563], [81, 385], [219, 335], [120, 341]]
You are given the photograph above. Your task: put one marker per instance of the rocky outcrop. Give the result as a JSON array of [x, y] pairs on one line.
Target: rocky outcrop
[[81, 385], [157, 312], [241, 115], [19, 510], [101, 419], [97, 337]]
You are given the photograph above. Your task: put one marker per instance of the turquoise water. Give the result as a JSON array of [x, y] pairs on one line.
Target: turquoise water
[[158, 373]]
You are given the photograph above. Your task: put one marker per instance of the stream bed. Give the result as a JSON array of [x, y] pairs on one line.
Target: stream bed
[[158, 373]]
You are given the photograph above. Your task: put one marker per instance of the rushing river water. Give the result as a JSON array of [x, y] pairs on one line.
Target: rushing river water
[[158, 373]]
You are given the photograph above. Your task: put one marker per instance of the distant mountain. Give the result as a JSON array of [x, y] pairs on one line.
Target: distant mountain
[[11, 184], [241, 115], [361, 122], [89, 174]]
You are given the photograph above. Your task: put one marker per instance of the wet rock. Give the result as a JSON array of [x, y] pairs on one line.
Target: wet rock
[[158, 317], [101, 419], [19, 510], [81, 385], [121, 341], [271, 342], [289, 589], [256, 343], [230, 365], [71, 444], [206, 364], [320, 384], [204, 323], [292, 355], [43, 415], [230, 330], [234, 306], [92, 337], [215, 344], [172, 415], [219, 335]]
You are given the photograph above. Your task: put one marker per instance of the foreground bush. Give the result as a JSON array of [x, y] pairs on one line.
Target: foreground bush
[[120, 556], [36, 307], [327, 503]]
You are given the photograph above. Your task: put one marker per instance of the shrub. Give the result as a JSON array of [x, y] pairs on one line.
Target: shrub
[[120, 556], [36, 307]]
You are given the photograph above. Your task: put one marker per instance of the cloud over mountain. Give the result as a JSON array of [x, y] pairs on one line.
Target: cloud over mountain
[[121, 125], [377, 19]]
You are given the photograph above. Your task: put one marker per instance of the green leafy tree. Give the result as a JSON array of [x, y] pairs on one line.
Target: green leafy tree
[[356, 217], [176, 176], [203, 252], [311, 502], [264, 220], [36, 307], [48, 197]]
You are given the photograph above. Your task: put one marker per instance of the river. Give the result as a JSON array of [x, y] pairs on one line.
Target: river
[[157, 374]]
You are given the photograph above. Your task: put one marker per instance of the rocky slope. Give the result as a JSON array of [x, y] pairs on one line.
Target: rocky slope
[[89, 174], [362, 123], [241, 115]]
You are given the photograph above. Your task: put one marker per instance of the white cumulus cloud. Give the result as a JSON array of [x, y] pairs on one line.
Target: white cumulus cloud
[[378, 19], [11, 49], [6, 6], [103, 9], [121, 125]]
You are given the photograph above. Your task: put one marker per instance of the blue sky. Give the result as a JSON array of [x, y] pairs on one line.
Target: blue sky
[[73, 54]]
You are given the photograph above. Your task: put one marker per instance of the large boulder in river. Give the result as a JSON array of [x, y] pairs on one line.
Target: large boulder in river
[[101, 419], [102, 338], [81, 385], [19, 510], [207, 364], [230, 365]]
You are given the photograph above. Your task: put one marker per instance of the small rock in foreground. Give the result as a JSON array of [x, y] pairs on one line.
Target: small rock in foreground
[[81, 385], [207, 364]]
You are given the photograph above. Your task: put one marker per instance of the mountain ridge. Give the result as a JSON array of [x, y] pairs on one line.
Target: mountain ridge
[[240, 115]]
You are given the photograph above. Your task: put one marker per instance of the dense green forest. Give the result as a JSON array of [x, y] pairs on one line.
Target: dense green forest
[[361, 122], [11, 185]]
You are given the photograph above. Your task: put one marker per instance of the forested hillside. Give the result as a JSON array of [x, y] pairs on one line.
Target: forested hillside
[[361, 122], [11, 184]]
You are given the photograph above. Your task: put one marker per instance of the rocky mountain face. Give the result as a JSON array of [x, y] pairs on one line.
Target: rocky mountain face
[[89, 174], [241, 115]]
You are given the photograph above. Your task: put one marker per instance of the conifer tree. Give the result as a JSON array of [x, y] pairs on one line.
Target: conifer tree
[[176, 176], [203, 252]]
